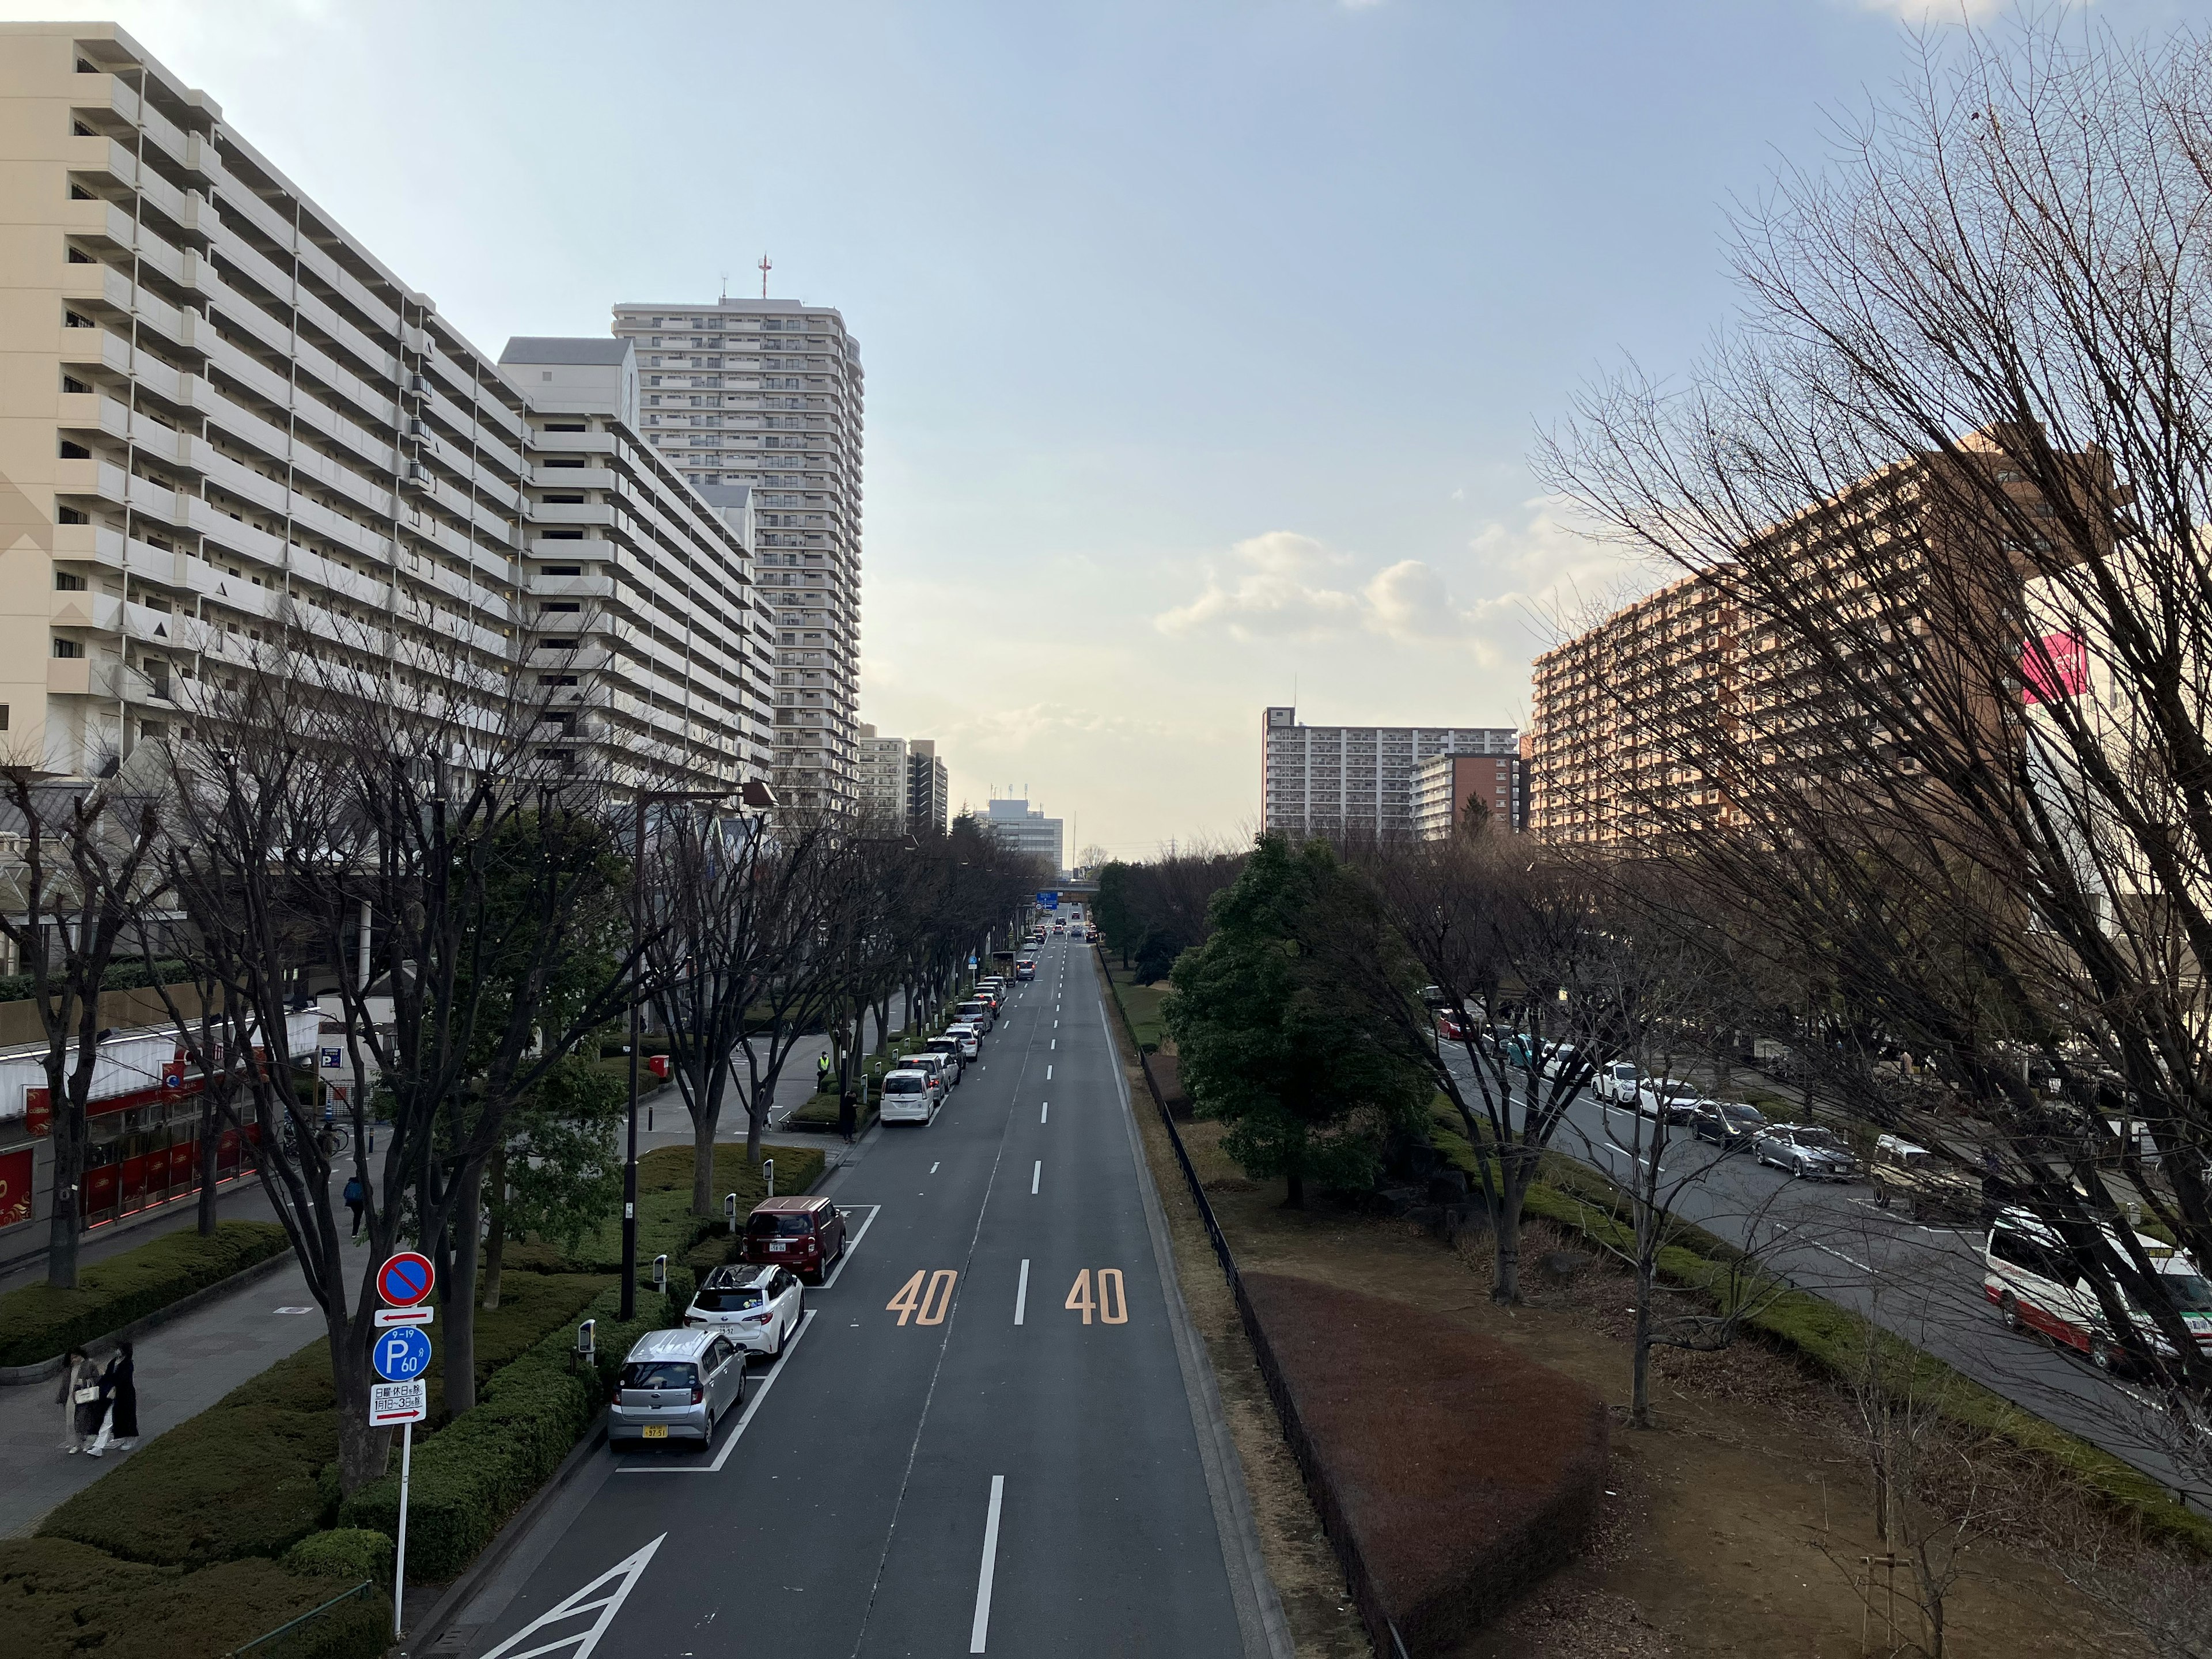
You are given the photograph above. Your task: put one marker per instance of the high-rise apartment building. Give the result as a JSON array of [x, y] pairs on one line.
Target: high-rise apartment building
[[767, 394], [233, 437], [1026, 828], [1355, 779], [1450, 791], [880, 778], [929, 788]]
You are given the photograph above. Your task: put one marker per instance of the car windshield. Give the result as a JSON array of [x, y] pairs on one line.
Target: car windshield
[[659, 1374], [941, 1045], [909, 1084], [728, 1301], [790, 1226], [1822, 1140], [1744, 1113]]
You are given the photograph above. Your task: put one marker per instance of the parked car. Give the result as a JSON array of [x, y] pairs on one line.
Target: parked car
[[675, 1385], [975, 1013], [1726, 1124], [756, 1308], [969, 1039], [1667, 1097], [1615, 1082], [1560, 1058], [2039, 1284], [909, 1094], [938, 1070], [805, 1234], [1806, 1150], [1453, 1027], [947, 1046], [1919, 1182]]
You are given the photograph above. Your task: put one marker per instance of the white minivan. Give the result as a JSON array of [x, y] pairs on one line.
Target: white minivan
[[910, 1095], [2032, 1276]]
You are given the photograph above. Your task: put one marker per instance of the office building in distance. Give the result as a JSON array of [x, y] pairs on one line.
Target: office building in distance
[[1356, 781], [1026, 828]]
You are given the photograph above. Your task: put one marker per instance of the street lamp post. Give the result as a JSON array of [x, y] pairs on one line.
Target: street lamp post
[[755, 794]]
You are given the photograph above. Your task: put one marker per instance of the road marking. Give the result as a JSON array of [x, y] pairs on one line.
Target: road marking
[[629, 1570], [938, 1297], [1047, 1074], [981, 1626], [1044, 1111], [1840, 1256], [1037, 1174], [933, 1169], [753, 1397], [852, 1243], [1055, 1044], [1022, 1291]]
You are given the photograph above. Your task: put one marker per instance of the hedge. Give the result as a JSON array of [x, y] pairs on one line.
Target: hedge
[[61, 1601], [256, 1473], [1834, 1340], [1460, 1472], [41, 1322], [469, 1477], [353, 1553], [119, 976], [664, 1221]]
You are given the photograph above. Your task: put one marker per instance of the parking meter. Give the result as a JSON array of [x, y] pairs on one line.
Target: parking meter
[[660, 1273], [730, 1210], [768, 1169], [586, 1354]]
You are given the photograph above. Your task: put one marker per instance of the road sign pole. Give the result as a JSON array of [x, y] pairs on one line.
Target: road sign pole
[[400, 1570]]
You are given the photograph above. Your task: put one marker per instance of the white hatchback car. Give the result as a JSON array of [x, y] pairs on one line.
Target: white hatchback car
[[756, 1308], [910, 1095], [1615, 1082], [969, 1039]]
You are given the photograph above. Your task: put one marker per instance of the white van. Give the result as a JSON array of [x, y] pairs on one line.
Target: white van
[[908, 1096], [2032, 1276]]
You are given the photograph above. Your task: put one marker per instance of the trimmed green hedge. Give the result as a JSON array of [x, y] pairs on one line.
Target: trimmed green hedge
[[41, 1322], [665, 1221], [473, 1475], [353, 1553], [119, 976], [62, 1601]]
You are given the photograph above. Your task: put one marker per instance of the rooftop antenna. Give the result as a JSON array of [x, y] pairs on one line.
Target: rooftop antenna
[[726, 288], [765, 267]]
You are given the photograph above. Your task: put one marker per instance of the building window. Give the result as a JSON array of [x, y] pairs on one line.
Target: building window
[[67, 649]]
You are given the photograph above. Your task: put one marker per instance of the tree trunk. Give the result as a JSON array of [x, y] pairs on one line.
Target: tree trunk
[[1295, 1199], [1505, 1266], [1639, 1409], [211, 1137], [702, 1159], [460, 1296], [495, 1246], [362, 1451], [63, 1228]]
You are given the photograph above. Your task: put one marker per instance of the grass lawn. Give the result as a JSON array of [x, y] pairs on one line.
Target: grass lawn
[[1143, 1002]]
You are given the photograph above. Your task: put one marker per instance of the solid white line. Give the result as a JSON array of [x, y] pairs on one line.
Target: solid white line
[[1022, 1291], [982, 1625], [1044, 1111], [752, 1404], [1840, 1256], [851, 1245], [1037, 1174]]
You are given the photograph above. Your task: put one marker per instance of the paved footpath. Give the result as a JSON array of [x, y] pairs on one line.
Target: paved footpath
[[994, 1432]]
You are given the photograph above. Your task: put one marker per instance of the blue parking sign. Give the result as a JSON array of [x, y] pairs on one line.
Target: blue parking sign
[[400, 1354]]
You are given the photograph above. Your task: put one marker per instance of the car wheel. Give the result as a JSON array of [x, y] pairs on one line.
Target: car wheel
[[1880, 1196], [2009, 1311], [2101, 1354], [1797, 1169]]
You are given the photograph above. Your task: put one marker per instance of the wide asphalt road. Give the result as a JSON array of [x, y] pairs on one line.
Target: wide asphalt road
[[991, 1470], [1923, 1282]]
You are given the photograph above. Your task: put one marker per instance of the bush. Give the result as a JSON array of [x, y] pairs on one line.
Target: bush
[[1455, 1472], [39, 1322], [119, 976], [480, 1468], [61, 1601], [351, 1553]]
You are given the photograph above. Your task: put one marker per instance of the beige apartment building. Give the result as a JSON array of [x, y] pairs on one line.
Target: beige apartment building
[[1448, 788], [880, 778], [230, 432], [768, 395], [1356, 781]]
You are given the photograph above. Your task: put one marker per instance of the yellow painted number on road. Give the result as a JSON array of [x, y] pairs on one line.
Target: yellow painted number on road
[[1110, 1302], [924, 1305]]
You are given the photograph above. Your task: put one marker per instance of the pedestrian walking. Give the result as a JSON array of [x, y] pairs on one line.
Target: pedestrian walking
[[119, 1393], [849, 1114], [79, 1399], [356, 1199], [821, 1074]]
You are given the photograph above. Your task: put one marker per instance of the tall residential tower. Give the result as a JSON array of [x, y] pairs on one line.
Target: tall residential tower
[[767, 394]]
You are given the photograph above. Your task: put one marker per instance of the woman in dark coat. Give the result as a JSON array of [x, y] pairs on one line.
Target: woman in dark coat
[[123, 1397], [849, 1114]]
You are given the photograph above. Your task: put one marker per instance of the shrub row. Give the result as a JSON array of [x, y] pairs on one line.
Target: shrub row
[[665, 1221], [1459, 1471], [39, 1322], [119, 976], [60, 1600], [469, 1477], [256, 1473]]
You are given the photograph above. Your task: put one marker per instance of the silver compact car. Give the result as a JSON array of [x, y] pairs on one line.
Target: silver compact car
[[675, 1385], [756, 1308], [1806, 1150]]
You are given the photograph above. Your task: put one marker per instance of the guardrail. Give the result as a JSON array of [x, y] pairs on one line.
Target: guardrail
[[260, 1642], [1380, 1630]]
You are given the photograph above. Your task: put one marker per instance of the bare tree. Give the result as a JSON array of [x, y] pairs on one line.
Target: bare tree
[[82, 877]]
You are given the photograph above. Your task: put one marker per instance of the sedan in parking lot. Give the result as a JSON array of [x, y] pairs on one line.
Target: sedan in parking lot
[[1726, 1124], [1807, 1150]]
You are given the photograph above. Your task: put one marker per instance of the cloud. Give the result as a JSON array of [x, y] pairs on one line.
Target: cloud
[[1937, 11]]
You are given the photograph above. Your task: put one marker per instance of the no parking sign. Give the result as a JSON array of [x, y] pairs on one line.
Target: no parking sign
[[406, 1279]]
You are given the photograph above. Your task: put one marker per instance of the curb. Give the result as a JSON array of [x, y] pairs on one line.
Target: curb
[[40, 1371], [494, 1555]]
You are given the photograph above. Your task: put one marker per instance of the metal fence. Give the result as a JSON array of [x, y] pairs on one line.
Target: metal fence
[[1380, 1630], [287, 1637]]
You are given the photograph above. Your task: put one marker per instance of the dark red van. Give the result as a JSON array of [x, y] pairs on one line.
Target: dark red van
[[803, 1234]]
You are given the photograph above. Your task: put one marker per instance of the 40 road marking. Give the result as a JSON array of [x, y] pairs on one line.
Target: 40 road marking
[[924, 1305], [1111, 1304]]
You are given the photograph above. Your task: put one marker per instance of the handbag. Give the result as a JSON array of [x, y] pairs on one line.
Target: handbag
[[87, 1395]]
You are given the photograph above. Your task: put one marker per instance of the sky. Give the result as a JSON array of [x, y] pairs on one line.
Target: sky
[[1207, 341]]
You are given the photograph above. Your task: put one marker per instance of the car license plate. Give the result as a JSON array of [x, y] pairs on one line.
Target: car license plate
[[775, 1246], [656, 1431]]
